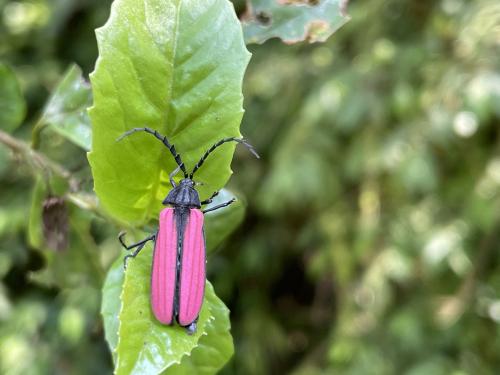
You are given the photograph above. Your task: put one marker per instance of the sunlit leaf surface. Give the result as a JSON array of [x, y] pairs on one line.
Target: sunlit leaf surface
[[176, 67]]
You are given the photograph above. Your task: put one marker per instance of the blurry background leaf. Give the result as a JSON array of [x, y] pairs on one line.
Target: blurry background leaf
[[111, 304], [35, 227], [12, 105], [187, 92], [49, 308], [293, 21], [66, 110]]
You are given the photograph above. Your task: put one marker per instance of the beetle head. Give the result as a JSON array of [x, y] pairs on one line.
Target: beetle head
[[184, 194]]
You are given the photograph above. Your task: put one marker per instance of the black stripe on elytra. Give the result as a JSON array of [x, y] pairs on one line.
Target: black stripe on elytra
[[181, 216]]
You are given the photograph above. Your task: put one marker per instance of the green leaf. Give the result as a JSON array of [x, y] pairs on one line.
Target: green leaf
[[66, 110], [111, 304], [35, 234], [176, 67], [12, 104], [144, 345], [221, 223], [215, 348], [293, 21]]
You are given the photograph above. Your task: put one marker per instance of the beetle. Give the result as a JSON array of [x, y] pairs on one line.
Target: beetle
[[178, 269]]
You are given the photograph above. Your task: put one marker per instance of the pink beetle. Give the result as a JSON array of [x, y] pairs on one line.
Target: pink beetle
[[178, 271]]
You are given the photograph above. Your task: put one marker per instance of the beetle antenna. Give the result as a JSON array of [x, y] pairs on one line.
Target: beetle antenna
[[221, 142], [164, 140]]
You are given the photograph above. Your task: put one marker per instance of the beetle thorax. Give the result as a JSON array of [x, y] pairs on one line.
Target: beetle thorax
[[184, 194]]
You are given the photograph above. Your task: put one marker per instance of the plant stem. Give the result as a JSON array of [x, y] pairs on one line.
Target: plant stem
[[35, 158]]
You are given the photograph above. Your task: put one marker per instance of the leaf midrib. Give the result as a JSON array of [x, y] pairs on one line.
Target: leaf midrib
[[157, 180]]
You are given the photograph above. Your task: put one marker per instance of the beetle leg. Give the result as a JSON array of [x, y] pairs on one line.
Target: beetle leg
[[139, 245], [209, 200], [122, 234], [219, 206], [133, 255]]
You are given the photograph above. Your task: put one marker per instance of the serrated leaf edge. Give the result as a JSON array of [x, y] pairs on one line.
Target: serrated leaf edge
[[210, 319]]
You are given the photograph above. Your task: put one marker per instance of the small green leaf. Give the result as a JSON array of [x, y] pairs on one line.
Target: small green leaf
[[111, 304], [12, 104], [293, 21], [176, 67], [66, 110], [144, 345], [221, 223]]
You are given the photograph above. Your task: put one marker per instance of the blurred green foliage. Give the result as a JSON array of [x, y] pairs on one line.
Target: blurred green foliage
[[371, 234]]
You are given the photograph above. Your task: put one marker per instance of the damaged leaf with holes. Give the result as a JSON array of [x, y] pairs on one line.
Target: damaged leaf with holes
[[293, 21]]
